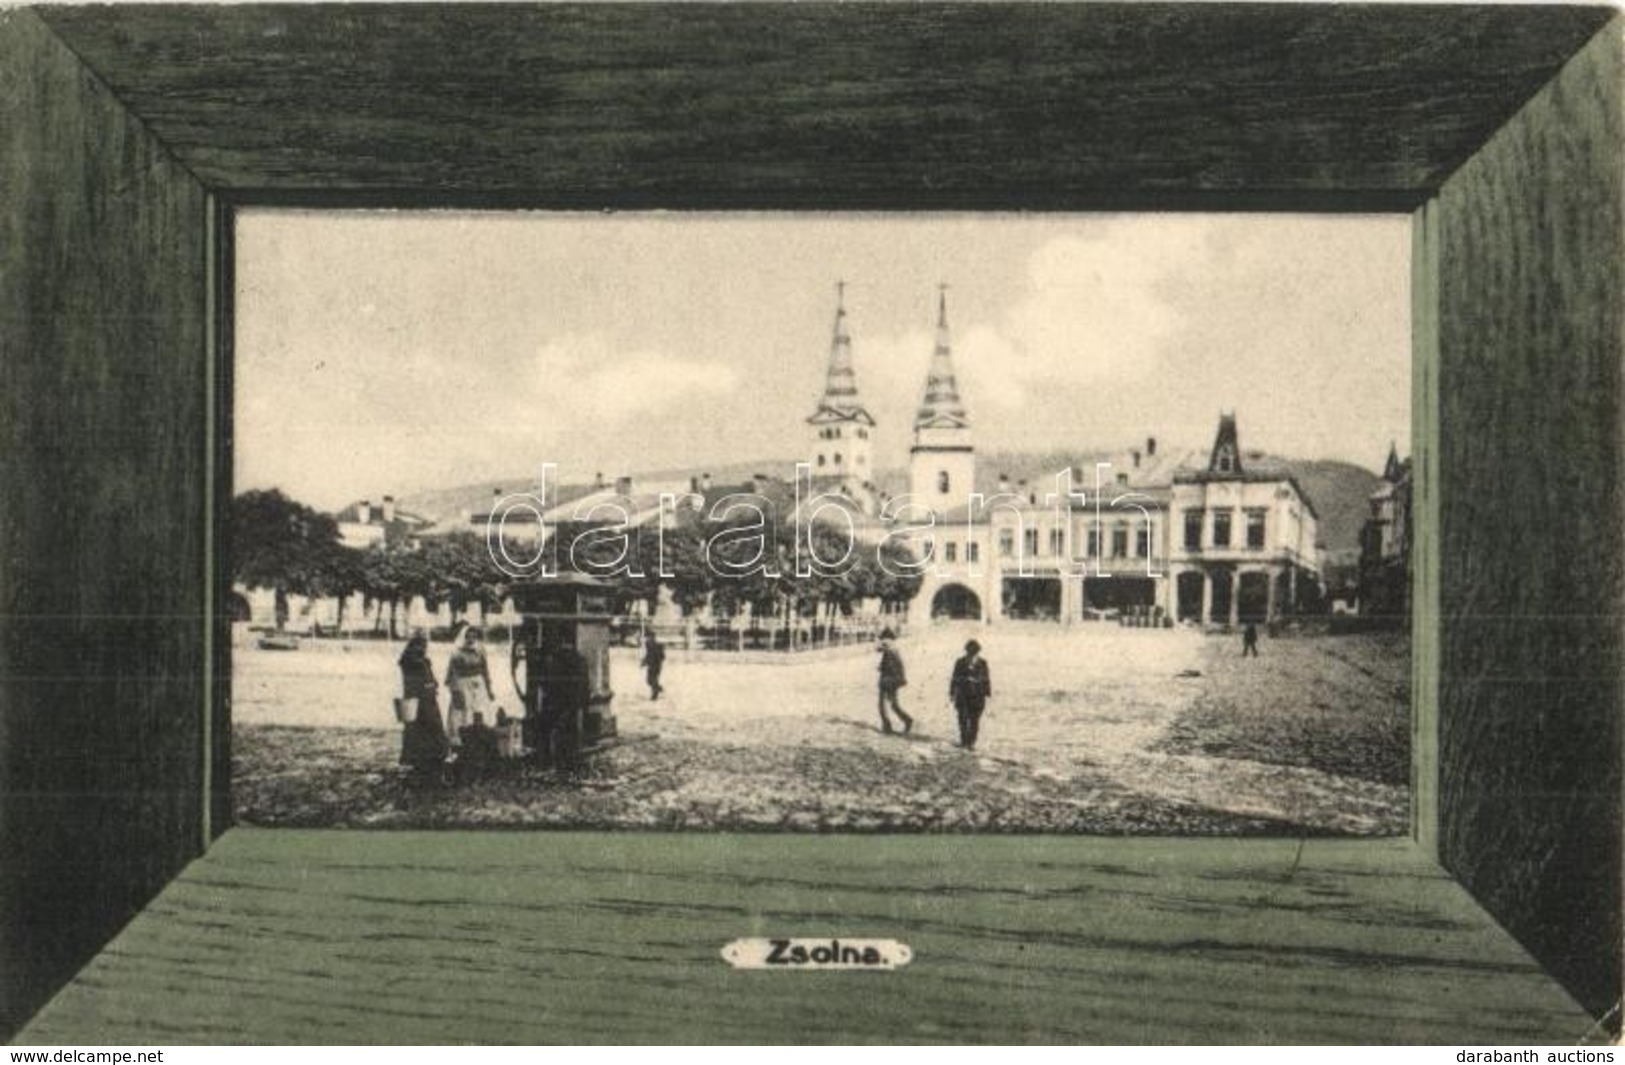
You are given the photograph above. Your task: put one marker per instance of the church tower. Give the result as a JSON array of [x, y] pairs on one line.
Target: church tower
[[942, 462], [841, 452]]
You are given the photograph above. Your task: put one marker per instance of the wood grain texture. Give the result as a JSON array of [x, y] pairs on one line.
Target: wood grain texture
[[101, 541], [909, 106], [1532, 522], [539, 937], [1424, 530]]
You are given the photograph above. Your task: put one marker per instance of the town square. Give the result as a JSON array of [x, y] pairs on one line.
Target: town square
[[882, 627]]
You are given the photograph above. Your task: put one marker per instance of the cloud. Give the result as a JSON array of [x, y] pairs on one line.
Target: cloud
[[601, 385]]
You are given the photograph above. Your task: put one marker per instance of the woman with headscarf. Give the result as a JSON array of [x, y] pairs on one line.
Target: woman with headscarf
[[423, 739], [469, 678]]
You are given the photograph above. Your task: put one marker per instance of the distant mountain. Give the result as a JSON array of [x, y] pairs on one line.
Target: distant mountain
[[439, 504], [1339, 490]]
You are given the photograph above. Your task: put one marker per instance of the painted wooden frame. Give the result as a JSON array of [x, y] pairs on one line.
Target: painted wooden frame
[[132, 134]]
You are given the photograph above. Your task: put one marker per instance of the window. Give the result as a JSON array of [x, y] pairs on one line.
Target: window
[[1007, 543], [1119, 541], [1094, 544], [1029, 542], [950, 551], [973, 551], [1142, 541], [1057, 542], [1255, 530], [820, 460], [1221, 528], [1193, 530], [837, 458], [942, 481]]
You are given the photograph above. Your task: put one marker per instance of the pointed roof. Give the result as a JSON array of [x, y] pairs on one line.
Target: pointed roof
[[1226, 456], [1393, 471], [840, 401], [941, 407]]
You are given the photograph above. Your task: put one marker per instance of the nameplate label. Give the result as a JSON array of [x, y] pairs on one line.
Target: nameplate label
[[820, 954]]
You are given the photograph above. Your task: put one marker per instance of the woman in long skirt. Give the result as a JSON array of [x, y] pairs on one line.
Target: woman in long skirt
[[423, 739], [469, 678]]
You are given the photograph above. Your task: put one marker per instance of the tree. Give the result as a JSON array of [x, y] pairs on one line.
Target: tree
[[286, 546]]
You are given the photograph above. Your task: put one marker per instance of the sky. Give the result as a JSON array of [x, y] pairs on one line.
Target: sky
[[382, 352]]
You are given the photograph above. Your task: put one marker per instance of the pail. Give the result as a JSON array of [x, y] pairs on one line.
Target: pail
[[406, 710]]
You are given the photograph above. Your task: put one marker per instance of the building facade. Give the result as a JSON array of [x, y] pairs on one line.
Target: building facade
[[1248, 539], [1152, 537], [1385, 545]]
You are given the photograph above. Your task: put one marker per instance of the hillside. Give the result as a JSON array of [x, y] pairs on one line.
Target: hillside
[[1339, 490]]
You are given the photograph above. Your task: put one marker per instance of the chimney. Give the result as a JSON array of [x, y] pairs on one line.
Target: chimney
[[598, 479], [389, 509], [1136, 455], [705, 483], [364, 512], [694, 484], [1004, 482], [623, 486], [1150, 447]]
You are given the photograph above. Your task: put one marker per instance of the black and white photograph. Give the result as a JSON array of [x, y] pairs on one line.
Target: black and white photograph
[[872, 524], [727, 522]]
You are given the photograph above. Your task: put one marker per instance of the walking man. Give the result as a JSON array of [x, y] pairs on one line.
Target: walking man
[[970, 689], [1249, 640], [654, 657], [891, 679]]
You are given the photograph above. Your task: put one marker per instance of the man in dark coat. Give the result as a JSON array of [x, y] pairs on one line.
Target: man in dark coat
[[970, 689], [654, 657], [892, 678], [1249, 640]]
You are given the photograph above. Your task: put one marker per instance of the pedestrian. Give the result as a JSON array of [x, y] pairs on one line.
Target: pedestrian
[[423, 739], [468, 675], [1249, 640], [970, 689], [481, 752], [892, 678], [654, 659]]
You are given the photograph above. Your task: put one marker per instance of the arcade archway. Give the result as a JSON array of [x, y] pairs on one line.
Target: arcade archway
[[955, 602]]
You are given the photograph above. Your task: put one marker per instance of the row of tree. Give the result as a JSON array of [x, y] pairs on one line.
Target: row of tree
[[733, 568]]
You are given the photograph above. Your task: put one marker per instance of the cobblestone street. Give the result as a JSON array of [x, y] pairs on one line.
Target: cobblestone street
[[1091, 730]]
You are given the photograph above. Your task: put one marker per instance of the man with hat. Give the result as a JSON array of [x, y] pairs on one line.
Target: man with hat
[[970, 689], [891, 679]]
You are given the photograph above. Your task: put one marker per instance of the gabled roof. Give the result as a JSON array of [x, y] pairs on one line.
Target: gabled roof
[[351, 515]]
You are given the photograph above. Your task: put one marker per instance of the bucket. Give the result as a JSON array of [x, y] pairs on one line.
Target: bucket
[[406, 710]]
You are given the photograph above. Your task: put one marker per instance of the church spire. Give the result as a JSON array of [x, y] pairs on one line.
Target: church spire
[[941, 407], [841, 381], [1392, 472]]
